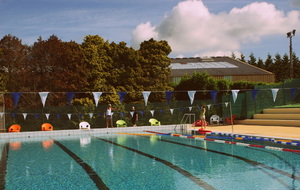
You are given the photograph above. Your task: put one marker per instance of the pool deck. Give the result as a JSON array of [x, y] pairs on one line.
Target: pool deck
[[283, 132]]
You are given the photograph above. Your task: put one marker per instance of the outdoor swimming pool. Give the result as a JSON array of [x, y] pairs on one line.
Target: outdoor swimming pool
[[120, 161]]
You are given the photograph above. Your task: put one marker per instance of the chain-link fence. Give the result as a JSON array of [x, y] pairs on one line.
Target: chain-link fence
[[31, 114]]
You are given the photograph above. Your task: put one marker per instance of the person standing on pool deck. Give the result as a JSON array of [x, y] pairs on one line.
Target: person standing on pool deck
[[202, 116], [108, 116], [135, 116]]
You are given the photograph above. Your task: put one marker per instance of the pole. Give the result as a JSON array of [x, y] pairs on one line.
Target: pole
[[231, 117], [291, 59], [290, 35]]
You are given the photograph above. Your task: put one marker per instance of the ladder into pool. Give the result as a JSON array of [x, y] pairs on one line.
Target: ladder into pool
[[186, 121]]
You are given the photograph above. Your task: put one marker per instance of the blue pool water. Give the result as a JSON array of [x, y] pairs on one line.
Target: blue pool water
[[143, 162]]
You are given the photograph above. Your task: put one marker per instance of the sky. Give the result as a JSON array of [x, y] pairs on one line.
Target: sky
[[193, 28]]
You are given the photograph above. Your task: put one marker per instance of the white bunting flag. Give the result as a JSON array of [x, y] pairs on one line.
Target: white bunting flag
[[226, 104], [191, 96], [172, 110], [69, 116], [43, 96], [131, 113], [152, 112], [97, 97], [234, 94], [24, 116], [274, 93], [208, 106], [190, 108], [146, 95], [47, 115], [91, 115]]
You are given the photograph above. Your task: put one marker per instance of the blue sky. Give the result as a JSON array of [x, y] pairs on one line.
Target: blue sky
[[192, 28]]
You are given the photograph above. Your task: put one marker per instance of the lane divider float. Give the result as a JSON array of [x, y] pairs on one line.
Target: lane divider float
[[225, 142], [245, 137]]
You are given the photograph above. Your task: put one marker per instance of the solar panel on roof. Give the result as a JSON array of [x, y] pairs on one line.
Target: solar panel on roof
[[203, 65]]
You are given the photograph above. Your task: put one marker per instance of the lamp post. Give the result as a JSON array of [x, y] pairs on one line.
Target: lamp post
[[290, 35]]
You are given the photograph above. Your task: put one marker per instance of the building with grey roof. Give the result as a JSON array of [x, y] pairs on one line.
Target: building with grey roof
[[220, 68]]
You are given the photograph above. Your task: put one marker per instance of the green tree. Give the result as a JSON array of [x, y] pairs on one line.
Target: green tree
[[269, 63], [260, 63], [125, 71], [13, 59], [97, 62], [242, 58], [252, 60], [56, 66], [155, 66], [197, 81], [296, 63], [280, 68]]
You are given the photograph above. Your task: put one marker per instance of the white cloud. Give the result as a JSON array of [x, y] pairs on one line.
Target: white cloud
[[191, 27], [143, 32]]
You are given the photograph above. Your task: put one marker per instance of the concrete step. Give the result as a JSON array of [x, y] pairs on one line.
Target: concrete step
[[277, 116], [282, 111], [295, 123]]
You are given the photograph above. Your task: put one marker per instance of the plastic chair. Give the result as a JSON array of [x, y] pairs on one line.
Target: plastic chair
[[14, 128], [84, 125], [154, 122], [47, 127], [214, 118], [228, 119], [121, 123]]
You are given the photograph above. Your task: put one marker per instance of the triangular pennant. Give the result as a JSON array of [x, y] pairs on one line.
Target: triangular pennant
[[97, 97], [131, 113], [16, 96], [70, 96], [293, 92], [91, 115], [69, 116], [80, 115], [43, 96], [234, 94], [172, 110], [254, 93], [13, 115], [122, 96], [213, 95], [152, 112], [274, 93], [191, 96], [190, 108], [226, 104], [122, 114], [36, 116], [142, 113], [162, 111], [169, 96], [208, 106], [47, 115], [146, 95], [58, 116], [24, 116]]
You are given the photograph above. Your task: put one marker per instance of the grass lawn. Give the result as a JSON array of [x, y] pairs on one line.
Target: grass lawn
[[289, 106]]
